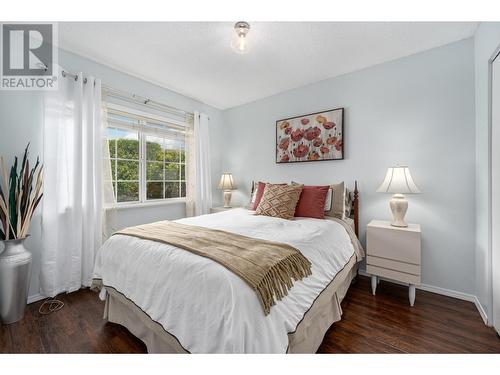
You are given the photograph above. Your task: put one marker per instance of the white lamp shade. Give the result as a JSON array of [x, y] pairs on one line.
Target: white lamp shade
[[226, 182], [398, 180]]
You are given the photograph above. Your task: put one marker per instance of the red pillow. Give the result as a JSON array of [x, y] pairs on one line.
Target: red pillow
[[258, 195], [312, 202]]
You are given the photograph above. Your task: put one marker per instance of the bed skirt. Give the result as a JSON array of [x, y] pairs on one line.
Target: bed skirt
[[306, 338]]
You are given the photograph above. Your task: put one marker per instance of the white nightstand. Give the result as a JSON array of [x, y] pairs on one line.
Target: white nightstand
[[393, 253], [213, 210]]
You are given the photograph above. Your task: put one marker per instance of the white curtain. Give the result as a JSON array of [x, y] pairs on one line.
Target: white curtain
[[199, 184], [110, 213], [72, 204]]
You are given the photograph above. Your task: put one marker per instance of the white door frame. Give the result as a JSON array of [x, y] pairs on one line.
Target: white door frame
[[489, 269]]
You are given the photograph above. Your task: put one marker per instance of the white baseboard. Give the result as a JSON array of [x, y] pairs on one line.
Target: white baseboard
[[481, 310], [35, 298], [445, 292]]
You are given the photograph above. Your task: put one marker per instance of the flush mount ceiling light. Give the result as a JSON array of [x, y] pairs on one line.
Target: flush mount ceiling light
[[240, 38]]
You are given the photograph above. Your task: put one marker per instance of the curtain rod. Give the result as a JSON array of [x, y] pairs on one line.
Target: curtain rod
[[134, 98]]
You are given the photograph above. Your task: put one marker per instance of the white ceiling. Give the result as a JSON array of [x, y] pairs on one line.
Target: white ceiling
[[195, 59]]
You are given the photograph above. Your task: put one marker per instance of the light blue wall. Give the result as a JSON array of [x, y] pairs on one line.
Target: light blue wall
[[418, 111], [20, 123], [486, 41], [21, 115]]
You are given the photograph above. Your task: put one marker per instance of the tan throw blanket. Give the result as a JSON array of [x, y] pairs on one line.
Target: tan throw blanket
[[268, 267]]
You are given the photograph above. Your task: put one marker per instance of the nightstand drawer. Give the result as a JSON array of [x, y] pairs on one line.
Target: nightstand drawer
[[413, 269], [394, 275], [400, 245]]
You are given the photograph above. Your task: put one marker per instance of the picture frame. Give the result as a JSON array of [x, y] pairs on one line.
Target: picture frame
[[317, 136]]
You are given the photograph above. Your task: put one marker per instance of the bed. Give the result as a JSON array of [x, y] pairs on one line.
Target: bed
[[179, 302]]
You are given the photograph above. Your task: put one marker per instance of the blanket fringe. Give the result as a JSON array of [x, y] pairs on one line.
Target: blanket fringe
[[279, 279]]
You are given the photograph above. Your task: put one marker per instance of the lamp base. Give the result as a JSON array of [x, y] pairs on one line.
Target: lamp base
[[399, 206], [227, 198]]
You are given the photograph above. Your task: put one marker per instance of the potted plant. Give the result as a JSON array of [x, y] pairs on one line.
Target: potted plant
[[20, 194]]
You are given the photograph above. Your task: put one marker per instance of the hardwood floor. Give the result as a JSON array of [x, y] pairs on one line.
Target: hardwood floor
[[77, 328], [381, 324], [386, 323]]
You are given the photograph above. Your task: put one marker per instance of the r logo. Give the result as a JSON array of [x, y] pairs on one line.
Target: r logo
[[27, 49]]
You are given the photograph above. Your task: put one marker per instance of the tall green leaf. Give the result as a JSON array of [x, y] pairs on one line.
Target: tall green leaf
[[4, 224], [23, 164], [18, 197], [30, 183], [12, 196]]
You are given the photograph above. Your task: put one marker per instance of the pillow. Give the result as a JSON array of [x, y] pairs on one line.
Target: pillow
[[279, 200], [329, 198], [257, 191], [312, 202], [338, 202], [253, 194]]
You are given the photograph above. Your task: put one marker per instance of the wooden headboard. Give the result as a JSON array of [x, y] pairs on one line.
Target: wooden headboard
[[355, 208]]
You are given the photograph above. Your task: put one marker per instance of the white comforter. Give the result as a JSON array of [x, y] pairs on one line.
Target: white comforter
[[207, 307]]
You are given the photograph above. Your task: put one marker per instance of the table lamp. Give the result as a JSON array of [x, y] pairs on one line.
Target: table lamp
[[398, 181], [227, 184]]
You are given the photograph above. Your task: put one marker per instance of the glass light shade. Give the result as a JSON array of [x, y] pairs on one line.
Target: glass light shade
[[398, 180], [240, 38], [226, 182]]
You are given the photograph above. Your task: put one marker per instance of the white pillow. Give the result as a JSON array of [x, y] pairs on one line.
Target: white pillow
[[254, 196], [253, 191], [329, 199]]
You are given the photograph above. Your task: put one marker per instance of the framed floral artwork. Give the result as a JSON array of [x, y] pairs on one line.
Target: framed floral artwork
[[312, 137]]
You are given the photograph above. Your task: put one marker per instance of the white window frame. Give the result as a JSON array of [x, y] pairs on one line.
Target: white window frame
[[142, 135]]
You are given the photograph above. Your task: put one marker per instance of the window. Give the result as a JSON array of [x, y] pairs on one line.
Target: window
[[165, 168], [147, 157]]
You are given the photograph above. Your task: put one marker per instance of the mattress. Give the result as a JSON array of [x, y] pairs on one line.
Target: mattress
[[207, 308], [305, 339]]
